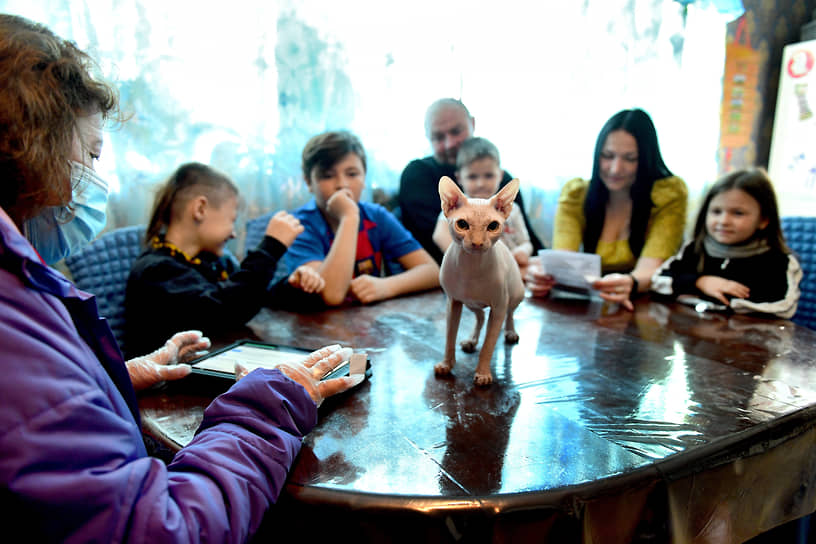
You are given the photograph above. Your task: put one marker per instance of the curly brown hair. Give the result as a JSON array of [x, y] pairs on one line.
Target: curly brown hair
[[46, 84]]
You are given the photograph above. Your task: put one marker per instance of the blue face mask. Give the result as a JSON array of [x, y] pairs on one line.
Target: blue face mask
[[55, 233]]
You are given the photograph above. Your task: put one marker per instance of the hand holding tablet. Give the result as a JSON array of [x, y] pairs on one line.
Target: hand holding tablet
[[314, 373], [323, 372]]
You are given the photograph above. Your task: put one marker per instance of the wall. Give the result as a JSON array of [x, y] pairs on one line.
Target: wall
[[770, 26]]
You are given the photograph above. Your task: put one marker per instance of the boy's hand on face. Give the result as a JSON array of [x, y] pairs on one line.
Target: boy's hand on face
[[368, 289], [717, 287], [284, 227], [341, 204]]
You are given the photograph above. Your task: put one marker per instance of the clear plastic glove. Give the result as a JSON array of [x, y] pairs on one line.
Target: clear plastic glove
[[166, 363], [316, 365]]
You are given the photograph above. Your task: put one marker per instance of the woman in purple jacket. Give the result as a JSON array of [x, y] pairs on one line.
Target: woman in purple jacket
[[73, 465]]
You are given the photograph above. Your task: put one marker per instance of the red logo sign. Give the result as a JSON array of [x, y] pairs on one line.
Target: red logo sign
[[800, 63]]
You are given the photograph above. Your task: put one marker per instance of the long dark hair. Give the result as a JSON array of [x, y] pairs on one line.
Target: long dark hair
[[755, 182], [650, 169], [188, 181]]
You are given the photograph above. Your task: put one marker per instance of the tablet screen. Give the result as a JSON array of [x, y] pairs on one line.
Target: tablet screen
[[250, 354]]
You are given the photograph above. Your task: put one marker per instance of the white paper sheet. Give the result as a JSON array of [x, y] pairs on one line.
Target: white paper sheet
[[571, 268]]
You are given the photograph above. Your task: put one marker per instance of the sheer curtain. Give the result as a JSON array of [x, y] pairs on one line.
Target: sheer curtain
[[243, 85]]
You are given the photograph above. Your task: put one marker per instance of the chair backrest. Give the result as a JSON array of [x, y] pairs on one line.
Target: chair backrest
[[800, 234], [255, 230], [102, 268]]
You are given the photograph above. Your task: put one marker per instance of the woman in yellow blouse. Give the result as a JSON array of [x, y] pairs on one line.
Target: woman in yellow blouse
[[632, 212]]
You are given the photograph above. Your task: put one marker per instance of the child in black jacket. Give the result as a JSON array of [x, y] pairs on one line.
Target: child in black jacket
[[738, 256], [180, 282]]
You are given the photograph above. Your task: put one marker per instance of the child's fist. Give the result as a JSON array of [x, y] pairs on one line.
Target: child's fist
[[307, 279], [341, 204], [284, 227]]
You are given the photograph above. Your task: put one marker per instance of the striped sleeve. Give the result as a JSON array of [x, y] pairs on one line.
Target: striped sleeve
[[786, 306]]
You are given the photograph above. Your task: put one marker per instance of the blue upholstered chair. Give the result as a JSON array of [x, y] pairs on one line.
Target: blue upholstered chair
[[255, 229], [102, 268], [800, 233]]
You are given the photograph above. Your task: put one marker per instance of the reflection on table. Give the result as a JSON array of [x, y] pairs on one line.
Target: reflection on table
[[602, 424]]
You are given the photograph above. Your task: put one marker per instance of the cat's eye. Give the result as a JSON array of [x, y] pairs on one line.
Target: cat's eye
[[462, 224], [493, 226]]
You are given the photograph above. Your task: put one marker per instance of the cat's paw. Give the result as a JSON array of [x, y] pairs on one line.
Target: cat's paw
[[511, 337], [443, 369], [468, 346], [483, 379]]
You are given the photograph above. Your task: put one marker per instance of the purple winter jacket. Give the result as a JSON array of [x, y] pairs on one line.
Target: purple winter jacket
[[72, 461]]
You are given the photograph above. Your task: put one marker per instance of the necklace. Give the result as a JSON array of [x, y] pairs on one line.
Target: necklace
[[158, 243]]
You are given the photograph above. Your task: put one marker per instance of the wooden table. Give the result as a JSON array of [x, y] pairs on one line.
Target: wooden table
[[602, 426]]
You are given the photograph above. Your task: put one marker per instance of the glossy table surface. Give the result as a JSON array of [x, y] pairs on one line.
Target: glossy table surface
[[593, 403]]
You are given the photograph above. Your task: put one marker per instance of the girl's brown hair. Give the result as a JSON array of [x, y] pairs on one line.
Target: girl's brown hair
[[187, 182], [755, 182], [46, 84]]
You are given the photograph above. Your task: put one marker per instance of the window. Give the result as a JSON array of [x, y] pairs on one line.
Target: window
[[243, 85]]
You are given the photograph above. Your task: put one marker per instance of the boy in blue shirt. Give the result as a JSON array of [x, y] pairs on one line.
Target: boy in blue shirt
[[348, 241]]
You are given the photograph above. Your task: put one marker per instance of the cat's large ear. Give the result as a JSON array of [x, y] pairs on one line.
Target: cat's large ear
[[503, 200], [451, 196]]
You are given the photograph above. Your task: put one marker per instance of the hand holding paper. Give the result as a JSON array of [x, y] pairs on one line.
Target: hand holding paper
[[571, 269], [616, 288]]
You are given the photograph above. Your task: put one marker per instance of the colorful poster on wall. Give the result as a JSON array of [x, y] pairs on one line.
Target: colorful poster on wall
[[740, 97], [740, 101]]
